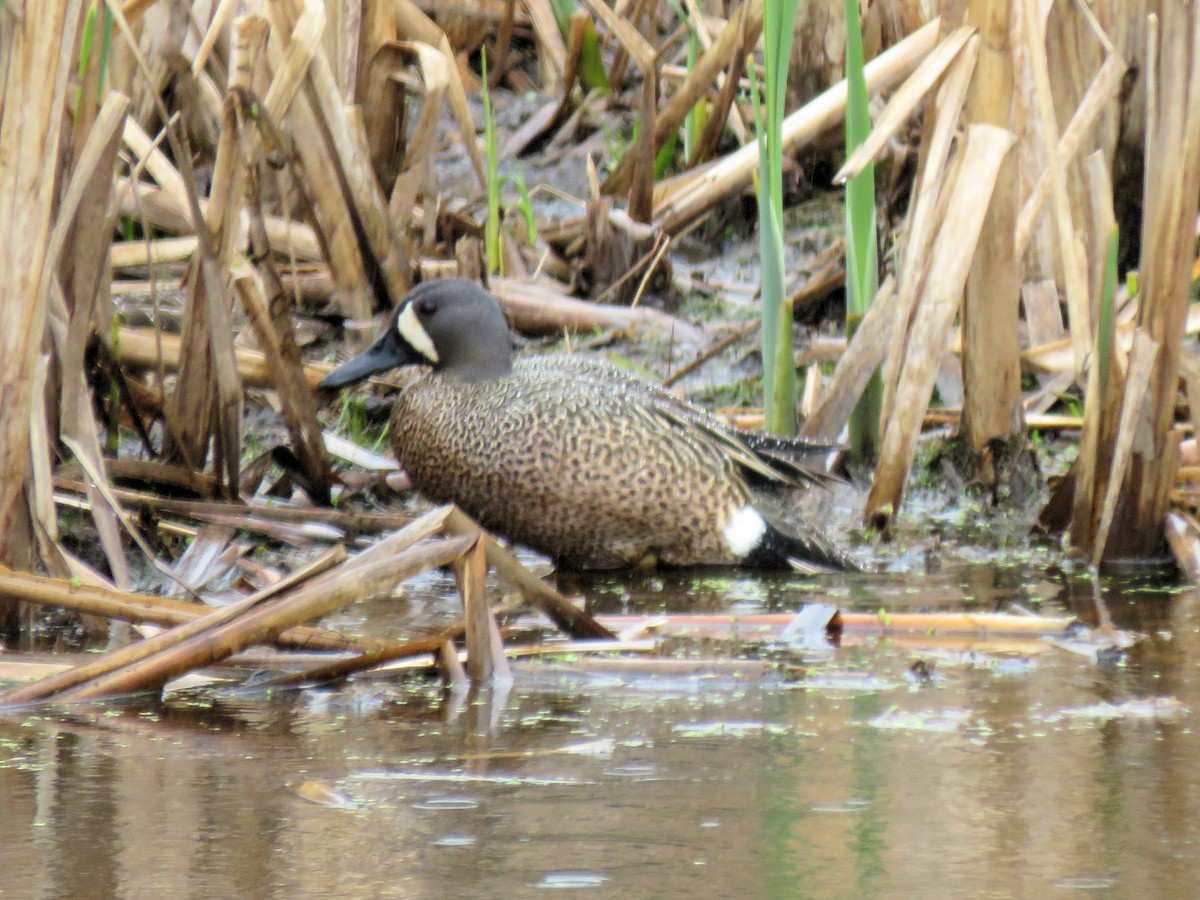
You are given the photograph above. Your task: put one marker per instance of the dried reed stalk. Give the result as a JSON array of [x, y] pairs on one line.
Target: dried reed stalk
[[117, 659], [294, 48], [40, 47], [144, 349], [904, 102], [271, 318], [156, 206], [929, 330], [1093, 477], [243, 515], [127, 606], [679, 201], [574, 621], [421, 149], [928, 207], [343, 140], [1069, 245], [85, 226], [891, 622], [1056, 356], [1183, 535], [379, 568], [485, 652], [344, 668], [991, 307], [1170, 205], [744, 26], [641, 176], [864, 352], [1142, 357]]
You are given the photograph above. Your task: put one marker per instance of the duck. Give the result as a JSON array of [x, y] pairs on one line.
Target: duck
[[587, 463]]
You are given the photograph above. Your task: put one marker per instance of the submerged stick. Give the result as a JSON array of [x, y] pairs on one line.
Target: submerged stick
[[958, 623], [343, 668]]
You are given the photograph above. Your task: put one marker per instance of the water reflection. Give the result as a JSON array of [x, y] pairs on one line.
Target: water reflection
[[1000, 774]]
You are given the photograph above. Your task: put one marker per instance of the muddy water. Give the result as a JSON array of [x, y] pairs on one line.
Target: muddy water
[[1015, 771]]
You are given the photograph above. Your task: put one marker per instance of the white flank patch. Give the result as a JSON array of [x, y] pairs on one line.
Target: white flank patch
[[414, 332], [744, 530]]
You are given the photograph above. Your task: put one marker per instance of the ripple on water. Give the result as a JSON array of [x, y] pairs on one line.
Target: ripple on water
[[443, 803], [455, 840], [634, 771], [571, 880], [1086, 883], [853, 804]]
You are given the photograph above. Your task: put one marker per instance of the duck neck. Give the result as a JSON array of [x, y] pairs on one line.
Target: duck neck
[[481, 364]]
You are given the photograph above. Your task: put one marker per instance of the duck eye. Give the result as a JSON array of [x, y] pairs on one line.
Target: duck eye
[[426, 306]]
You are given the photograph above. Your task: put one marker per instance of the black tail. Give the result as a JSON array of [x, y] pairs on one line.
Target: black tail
[[791, 541]]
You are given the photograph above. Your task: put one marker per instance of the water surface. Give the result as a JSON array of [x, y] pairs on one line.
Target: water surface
[[883, 768]]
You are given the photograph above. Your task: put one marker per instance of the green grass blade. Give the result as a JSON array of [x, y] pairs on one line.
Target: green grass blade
[[779, 370], [87, 41], [491, 229], [525, 207], [862, 248], [1104, 323], [591, 60]]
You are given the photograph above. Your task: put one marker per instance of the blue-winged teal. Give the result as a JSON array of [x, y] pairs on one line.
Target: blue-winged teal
[[576, 458]]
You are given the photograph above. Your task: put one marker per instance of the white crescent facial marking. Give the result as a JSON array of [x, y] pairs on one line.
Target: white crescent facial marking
[[414, 332], [744, 530]]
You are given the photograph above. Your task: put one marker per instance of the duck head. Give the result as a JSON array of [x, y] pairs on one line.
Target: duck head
[[450, 324]]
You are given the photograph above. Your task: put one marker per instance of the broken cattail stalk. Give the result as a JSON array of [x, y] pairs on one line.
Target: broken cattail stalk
[[132, 653], [263, 623], [484, 663], [291, 240], [936, 177], [140, 350], [234, 513], [127, 606], [574, 621], [1183, 535], [1070, 250], [985, 148], [536, 308], [1167, 246], [904, 102], [1137, 381], [679, 201], [471, 574], [746, 21], [864, 352], [269, 309], [991, 370]]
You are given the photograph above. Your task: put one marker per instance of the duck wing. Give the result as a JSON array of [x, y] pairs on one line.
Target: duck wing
[[764, 459]]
